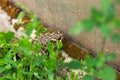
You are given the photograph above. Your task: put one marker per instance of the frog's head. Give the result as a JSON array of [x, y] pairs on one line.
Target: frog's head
[[57, 35]]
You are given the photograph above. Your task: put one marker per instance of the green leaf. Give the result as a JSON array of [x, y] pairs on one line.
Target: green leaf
[[110, 14], [40, 30], [99, 63], [35, 22], [28, 30], [115, 37], [110, 56], [37, 47], [3, 62], [116, 22], [50, 48], [9, 54], [36, 75], [105, 4], [100, 60], [25, 43], [74, 64], [88, 24], [76, 29], [87, 77], [118, 1], [105, 30], [9, 36], [1, 34], [97, 16], [31, 25], [2, 69], [8, 66], [50, 76], [59, 44], [31, 15], [84, 25], [90, 62], [72, 75], [19, 74], [20, 16], [25, 46], [108, 73]]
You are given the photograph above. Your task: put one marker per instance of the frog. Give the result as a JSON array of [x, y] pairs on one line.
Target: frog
[[44, 38]]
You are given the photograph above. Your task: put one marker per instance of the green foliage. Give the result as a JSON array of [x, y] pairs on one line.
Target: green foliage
[[50, 47], [87, 77], [110, 56], [107, 73], [74, 64], [20, 16], [59, 44], [95, 68], [104, 19], [84, 25], [6, 37], [96, 16], [21, 59], [115, 37], [106, 22], [105, 5], [118, 1], [105, 31], [34, 25]]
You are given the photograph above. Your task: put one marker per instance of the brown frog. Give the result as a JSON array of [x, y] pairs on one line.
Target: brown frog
[[44, 38]]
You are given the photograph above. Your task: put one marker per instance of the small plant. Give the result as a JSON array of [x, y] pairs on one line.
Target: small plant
[[106, 22], [94, 68], [20, 59], [104, 19]]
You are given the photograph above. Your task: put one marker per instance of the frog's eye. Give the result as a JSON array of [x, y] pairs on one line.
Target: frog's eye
[[60, 38]]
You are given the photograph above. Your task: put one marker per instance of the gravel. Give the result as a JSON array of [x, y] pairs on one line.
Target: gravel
[[5, 24]]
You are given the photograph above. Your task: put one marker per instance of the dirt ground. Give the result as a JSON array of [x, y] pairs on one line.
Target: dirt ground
[[5, 24]]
